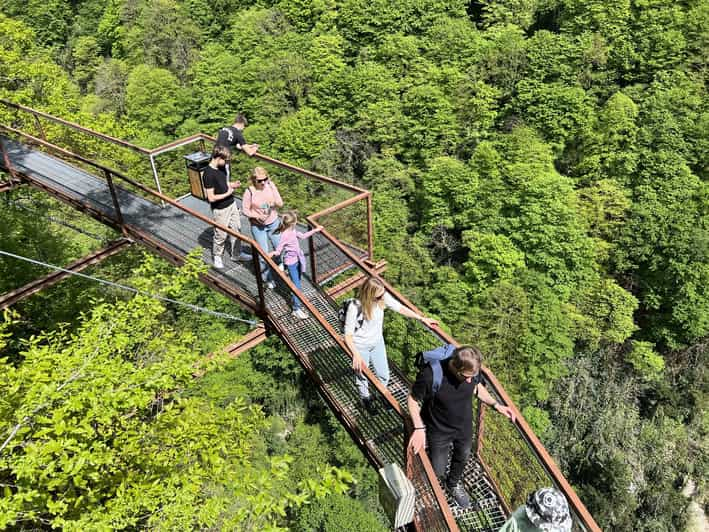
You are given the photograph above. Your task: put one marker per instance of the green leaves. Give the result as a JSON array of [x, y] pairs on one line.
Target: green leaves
[[539, 176], [492, 258], [154, 99], [645, 360], [97, 432], [302, 136]]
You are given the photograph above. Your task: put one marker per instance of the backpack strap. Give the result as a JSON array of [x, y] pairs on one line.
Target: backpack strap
[[360, 314], [434, 359], [437, 370]]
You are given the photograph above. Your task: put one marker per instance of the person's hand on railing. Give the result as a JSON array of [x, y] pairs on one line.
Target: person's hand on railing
[[430, 322], [417, 440], [250, 149], [505, 411]]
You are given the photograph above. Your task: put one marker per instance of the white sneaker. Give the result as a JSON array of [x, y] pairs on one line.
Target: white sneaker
[[300, 314], [270, 285], [218, 263]]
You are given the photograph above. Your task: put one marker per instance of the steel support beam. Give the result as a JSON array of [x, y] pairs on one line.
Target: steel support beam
[[249, 340], [6, 186], [355, 281]]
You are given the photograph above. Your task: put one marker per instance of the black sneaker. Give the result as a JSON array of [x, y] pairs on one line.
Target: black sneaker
[[370, 405], [459, 494]]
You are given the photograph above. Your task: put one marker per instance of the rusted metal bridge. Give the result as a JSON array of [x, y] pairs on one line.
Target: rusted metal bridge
[[68, 161]]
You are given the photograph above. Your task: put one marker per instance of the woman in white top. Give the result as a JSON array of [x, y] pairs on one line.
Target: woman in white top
[[366, 341]]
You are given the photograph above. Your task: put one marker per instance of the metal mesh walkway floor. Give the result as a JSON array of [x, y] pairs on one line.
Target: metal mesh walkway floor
[[380, 435]]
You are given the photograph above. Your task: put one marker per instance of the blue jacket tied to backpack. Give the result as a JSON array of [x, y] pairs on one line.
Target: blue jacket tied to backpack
[[434, 358]]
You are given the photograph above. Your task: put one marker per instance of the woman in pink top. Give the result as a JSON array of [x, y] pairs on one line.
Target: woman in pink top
[[259, 204], [293, 256]]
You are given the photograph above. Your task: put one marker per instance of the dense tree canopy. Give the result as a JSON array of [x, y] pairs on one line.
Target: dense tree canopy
[[539, 171]]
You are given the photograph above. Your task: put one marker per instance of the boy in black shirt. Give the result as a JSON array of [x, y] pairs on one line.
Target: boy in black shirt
[[233, 136], [224, 209], [447, 414]]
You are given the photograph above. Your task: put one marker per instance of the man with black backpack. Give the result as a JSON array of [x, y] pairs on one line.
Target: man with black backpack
[[445, 384]]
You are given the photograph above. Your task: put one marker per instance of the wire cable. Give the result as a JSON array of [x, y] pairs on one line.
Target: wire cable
[[190, 306], [19, 205]]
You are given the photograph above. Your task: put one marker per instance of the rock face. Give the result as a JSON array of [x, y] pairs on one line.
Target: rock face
[[697, 521]]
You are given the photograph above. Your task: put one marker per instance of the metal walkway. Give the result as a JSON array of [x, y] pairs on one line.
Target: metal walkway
[[173, 233]]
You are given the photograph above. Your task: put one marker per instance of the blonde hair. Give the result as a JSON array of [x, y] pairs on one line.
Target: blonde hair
[[368, 295], [290, 218], [258, 172]]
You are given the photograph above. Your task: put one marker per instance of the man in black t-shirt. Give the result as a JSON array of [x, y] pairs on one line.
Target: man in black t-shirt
[[224, 209], [447, 414], [233, 136]]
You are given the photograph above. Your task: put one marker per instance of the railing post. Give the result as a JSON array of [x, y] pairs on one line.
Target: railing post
[[370, 228], [154, 167], [480, 433], [114, 197], [259, 281], [39, 126], [313, 262], [6, 160]]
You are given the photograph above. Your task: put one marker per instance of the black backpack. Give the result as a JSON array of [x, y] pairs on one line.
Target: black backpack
[[342, 313]]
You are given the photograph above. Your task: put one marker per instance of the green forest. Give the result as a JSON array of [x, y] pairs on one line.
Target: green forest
[[540, 171]]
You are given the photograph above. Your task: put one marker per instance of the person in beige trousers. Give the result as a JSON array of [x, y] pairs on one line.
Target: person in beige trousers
[[220, 194]]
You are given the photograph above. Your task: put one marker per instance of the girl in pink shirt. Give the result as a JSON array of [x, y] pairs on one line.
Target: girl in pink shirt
[[293, 256]]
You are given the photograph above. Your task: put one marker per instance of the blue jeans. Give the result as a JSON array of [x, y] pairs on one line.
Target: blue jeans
[[294, 272], [376, 356], [262, 235]]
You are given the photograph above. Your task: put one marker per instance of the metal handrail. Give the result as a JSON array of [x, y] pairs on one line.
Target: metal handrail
[[152, 153], [260, 156], [76, 127]]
